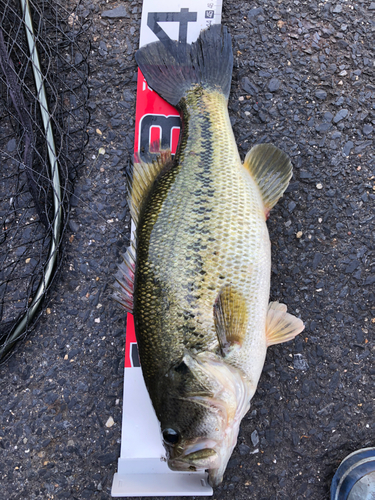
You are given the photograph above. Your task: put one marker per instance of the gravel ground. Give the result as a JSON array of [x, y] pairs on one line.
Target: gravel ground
[[303, 79]]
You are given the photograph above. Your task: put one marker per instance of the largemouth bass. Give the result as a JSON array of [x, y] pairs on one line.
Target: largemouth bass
[[197, 278]]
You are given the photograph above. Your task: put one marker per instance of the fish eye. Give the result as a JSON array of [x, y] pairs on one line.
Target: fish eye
[[171, 436]]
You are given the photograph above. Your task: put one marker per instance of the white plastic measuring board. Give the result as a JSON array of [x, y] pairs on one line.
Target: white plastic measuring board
[[142, 469]]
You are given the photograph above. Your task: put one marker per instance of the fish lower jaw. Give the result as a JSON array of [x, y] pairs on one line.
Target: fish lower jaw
[[215, 476], [192, 466], [201, 456]]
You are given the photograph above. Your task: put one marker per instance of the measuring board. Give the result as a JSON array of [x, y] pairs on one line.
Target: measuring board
[[142, 468]]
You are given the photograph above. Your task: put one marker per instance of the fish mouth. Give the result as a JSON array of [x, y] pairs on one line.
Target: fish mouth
[[206, 458]]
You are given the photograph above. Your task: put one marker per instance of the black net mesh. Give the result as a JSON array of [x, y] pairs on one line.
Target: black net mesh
[[43, 118]]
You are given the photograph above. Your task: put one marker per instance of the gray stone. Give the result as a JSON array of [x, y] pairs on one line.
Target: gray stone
[[367, 129], [327, 117], [11, 145], [20, 251], [255, 438], [274, 85], [370, 280], [300, 363], [343, 113], [347, 148], [362, 146], [321, 94], [323, 127], [74, 227], [128, 95], [291, 206], [117, 13], [115, 161], [317, 258], [249, 87], [107, 458], [254, 12], [244, 449], [352, 266]]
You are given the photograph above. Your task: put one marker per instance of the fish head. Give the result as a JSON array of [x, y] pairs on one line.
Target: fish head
[[204, 400]]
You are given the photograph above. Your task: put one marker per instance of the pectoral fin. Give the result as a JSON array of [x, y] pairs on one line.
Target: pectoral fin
[[230, 315], [280, 325]]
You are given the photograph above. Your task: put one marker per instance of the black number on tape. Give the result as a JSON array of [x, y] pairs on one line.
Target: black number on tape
[[165, 123], [134, 355], [183, 17]]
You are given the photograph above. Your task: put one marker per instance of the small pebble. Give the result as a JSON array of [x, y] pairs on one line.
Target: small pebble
[[255, 438], [347, 148], [274, 85], [343, 113], [244, 449], [299, 234], [321, 94], [110, 422], [319, 186], [11, 145], [367, 129], [299, 362], [116, 13]]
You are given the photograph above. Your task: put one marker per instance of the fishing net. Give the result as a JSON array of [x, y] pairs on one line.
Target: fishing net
[[43, 118]]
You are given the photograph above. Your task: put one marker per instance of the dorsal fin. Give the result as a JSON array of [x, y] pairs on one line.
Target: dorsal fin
[[124, 284], [271, 170], [142, 177], [140, 180]]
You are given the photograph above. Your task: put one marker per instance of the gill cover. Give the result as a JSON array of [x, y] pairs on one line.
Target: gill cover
[[226, 396]]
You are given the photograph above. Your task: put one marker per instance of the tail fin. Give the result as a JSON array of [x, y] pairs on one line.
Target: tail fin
[[172, 68]]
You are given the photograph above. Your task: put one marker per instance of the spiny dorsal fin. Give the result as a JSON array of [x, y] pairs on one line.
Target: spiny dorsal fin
[[124, 284], [140, 181], [230, 316], [271, 170], [280, 325], [142, 177]]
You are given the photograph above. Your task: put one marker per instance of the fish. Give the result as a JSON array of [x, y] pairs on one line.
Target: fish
[[197, 275]]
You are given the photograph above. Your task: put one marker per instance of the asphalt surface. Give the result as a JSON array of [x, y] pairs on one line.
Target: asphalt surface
[[304, 80]]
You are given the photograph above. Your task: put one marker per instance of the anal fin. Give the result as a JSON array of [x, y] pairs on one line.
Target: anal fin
[[280, 325], [230, 316]]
